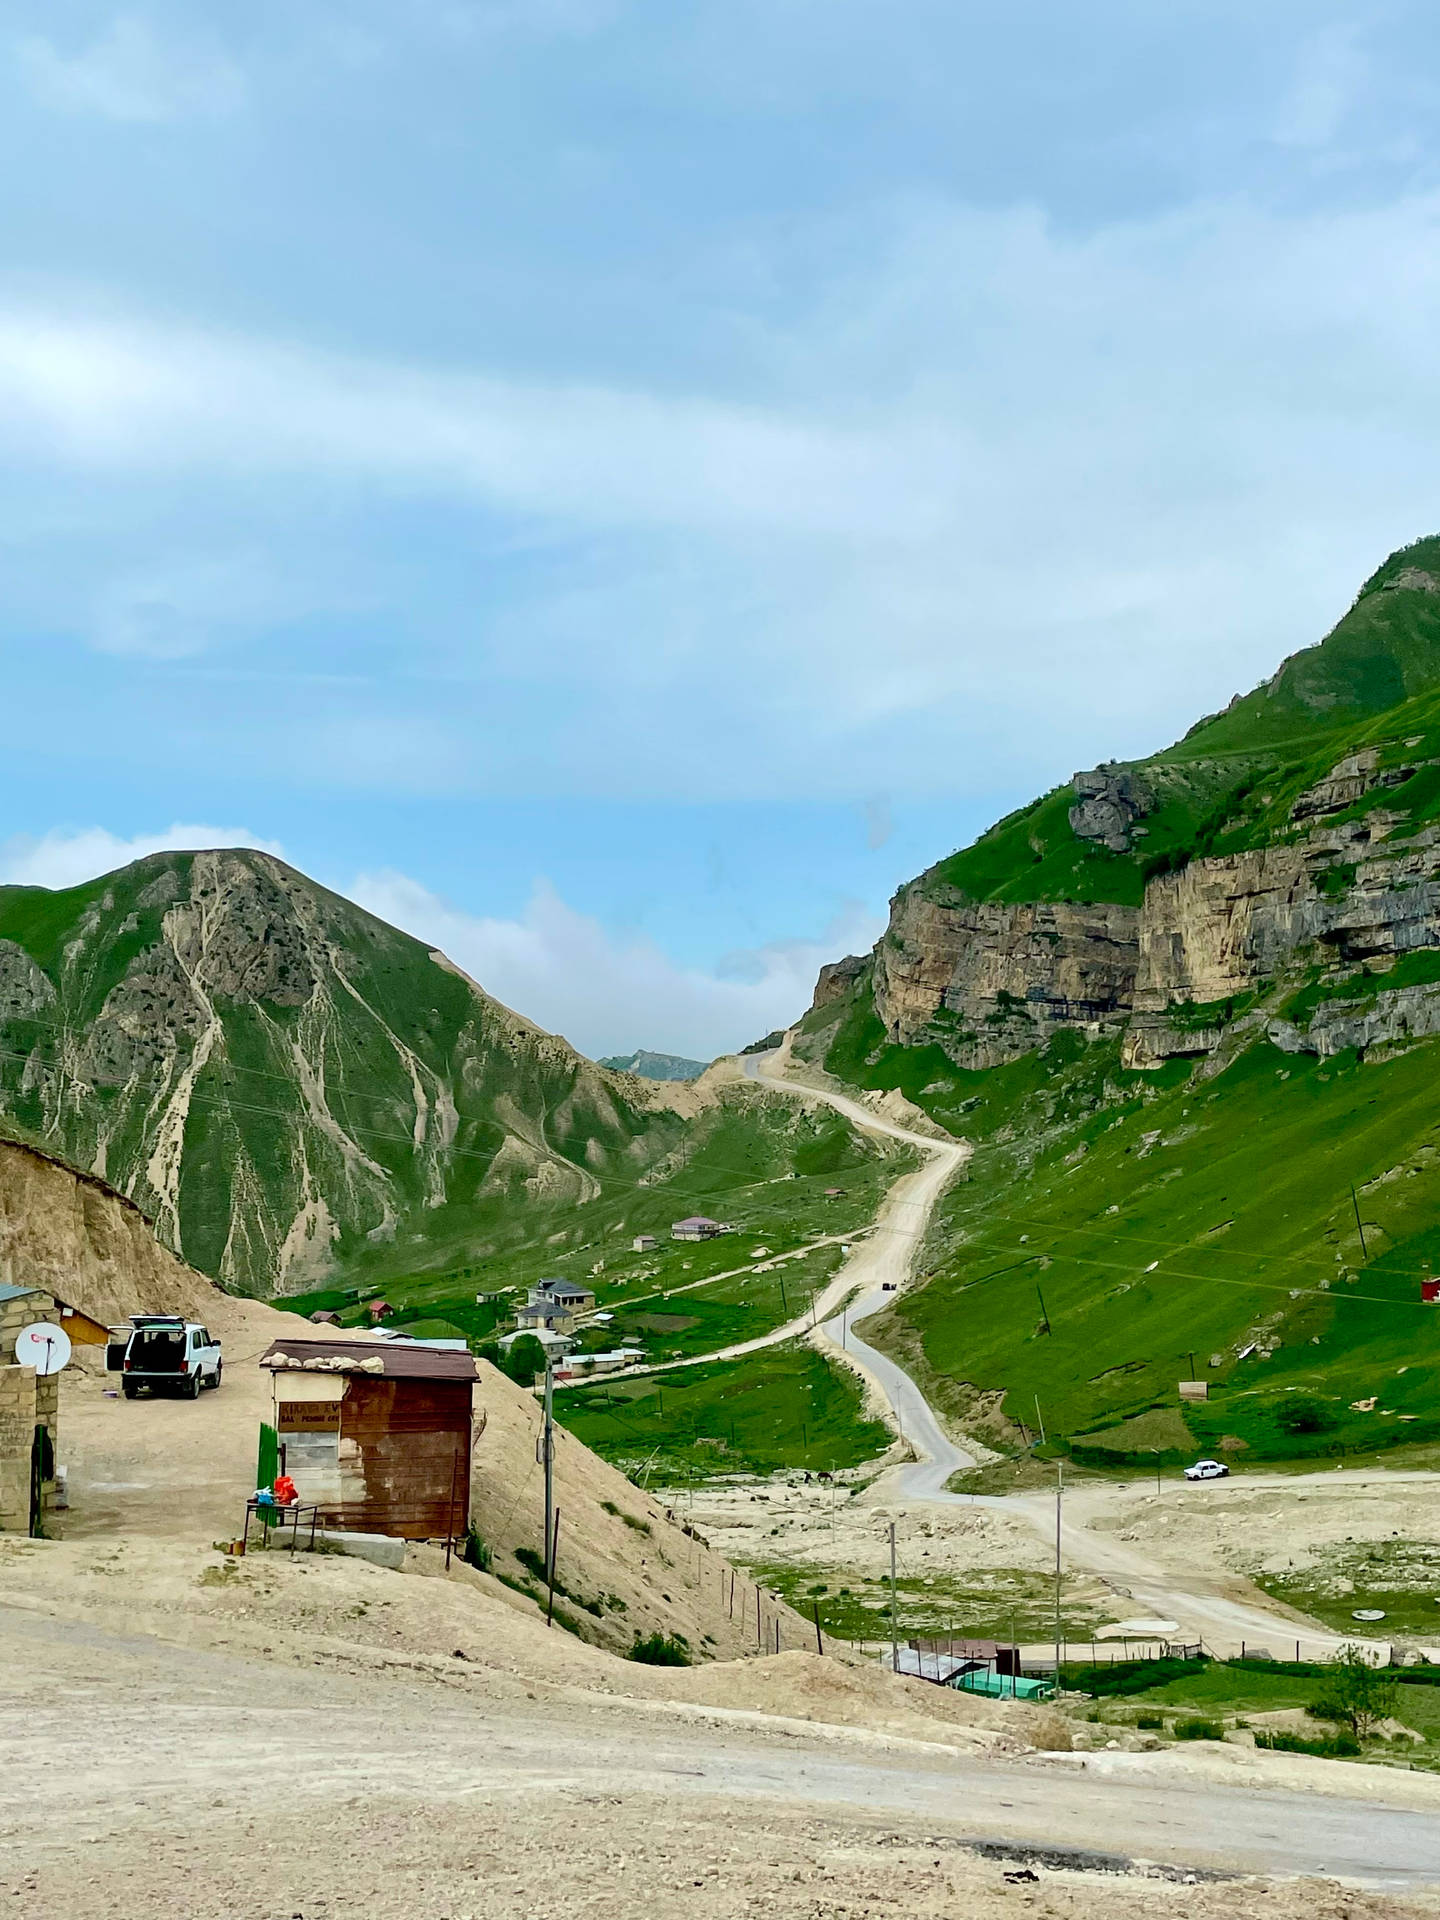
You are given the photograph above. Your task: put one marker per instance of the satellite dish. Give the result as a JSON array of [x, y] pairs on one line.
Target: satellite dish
[[43, 1347]]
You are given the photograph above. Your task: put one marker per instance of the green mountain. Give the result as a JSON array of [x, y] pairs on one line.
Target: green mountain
[[656, 1066], [298, 1094], [1186, 1008]]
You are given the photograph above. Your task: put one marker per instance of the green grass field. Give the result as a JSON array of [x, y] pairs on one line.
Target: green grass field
[[1003, 1605], [1224, 1689], [1119, 1229], [784, 1407]]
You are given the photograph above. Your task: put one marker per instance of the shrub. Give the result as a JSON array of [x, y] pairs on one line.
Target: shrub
[[475, 1553], [525, 1360], [1303, 1413], [1150, 1720], [1356, 1694], [532, 1562], [661, 1650], [1335, 1746], [1198, 1729], [1129, 1676]]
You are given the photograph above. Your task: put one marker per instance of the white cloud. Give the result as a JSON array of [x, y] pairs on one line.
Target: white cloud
[[144, 399], [1328, 75], [65, 857], [562, 969], [133, 73], [1014, 497]]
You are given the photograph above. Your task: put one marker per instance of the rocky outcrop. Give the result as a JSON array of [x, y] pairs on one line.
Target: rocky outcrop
[[838, 978], [989, 980], [25, 991], [1371, 1026], [1108, 803], [1221, 926], [1348, 780]]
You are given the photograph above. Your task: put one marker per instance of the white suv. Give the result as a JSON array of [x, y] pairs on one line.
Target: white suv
[[166, 1353], [1207, 1470]]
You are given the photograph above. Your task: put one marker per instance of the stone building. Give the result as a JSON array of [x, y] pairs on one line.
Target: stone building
[[29, 1414]]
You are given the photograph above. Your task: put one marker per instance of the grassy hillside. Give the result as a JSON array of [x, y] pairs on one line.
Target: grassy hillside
[[1115, 1225], [1120, 1227], [300, 1095]]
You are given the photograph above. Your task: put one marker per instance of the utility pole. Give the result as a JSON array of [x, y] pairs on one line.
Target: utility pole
[[547, 1458], [1040, 1419], [1044, 1310], [1059, 1493], [894, 1613], [1355, 1202]]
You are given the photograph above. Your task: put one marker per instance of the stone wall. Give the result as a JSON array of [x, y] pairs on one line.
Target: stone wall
[[26, 1402]]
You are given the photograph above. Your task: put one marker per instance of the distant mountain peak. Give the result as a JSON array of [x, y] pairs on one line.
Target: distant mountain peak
[[656, 1066]]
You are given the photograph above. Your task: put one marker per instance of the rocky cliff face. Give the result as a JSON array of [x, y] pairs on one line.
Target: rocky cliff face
[[989, 979]]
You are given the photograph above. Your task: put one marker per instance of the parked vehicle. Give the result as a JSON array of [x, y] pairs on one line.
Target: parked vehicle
[[168, 1354], [1207, 1470]]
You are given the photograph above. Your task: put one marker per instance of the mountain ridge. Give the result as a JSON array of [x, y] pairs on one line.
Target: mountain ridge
[[1234, 942]]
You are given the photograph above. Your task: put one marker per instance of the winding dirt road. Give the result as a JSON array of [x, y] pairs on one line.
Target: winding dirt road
[[1201, 1608]]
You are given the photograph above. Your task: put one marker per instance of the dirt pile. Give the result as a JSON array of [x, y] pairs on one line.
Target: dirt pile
[[620, 1550], [74, 1234]]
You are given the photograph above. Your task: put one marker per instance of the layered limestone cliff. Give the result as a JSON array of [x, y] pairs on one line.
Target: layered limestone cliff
[[989, 981]]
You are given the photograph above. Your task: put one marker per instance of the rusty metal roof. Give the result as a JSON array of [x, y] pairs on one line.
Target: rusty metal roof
[[396, 1361]]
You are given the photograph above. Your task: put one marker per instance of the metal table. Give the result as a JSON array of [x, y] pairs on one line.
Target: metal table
[[293, 1517]]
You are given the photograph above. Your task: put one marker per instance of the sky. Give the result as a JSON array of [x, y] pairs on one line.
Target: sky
[[618, 488]]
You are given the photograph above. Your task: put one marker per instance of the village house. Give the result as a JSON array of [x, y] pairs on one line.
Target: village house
[[377, 1434], [579, 1365], [697, 1227], [555, 1305], [644, 1243], [379, 1310], [556, 1345]]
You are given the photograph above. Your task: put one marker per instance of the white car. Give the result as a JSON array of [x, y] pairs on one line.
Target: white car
[[1207, 1470], [168, 1354]]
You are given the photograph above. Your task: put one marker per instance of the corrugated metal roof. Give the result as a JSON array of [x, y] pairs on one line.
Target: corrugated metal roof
[[16, 1293], [397, 1361]]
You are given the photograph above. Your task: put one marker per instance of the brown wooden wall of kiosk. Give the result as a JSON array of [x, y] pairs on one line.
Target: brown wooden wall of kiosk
[[391, 1456]]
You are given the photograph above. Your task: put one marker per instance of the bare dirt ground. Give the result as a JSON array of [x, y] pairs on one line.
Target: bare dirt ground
[[315, 1735], [144, 1777]]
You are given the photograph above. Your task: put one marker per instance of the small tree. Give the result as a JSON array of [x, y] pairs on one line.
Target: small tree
[[1357, 1694], [525, 1359]]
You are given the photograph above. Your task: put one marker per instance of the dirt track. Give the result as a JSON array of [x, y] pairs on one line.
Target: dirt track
[[210, 1782]]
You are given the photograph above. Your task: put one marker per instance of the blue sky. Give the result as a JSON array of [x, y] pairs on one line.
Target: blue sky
[[620, 487]]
